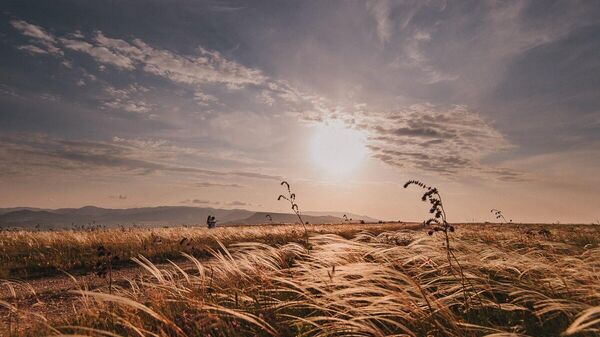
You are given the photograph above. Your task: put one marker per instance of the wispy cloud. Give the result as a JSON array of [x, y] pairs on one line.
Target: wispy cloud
[[45, 40], [31, 152], [451, 141], [124, 99], [203, 202], [205, 67], [237, 203], [204, 99], [214, 184], [100, 53], [32, 49], [381, 13], [414, 57], [195, 72]]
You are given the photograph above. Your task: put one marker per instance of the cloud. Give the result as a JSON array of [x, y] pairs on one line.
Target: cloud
[[204, 99], [237, 203], [165, 150], [33, 31], [200, 202], [9, 91], [32, 49], [234, 203], [99, 53], [122, 99], [49, 97], [413, 56], [35, 152], [212, 184], [266, 97], [205, 67], [39, 36], [448, 141], [198, 70], [381, 13], [256, 175]]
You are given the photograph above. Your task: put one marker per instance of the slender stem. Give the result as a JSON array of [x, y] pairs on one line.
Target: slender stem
[[110, 277], [297, 212], [442, 207], [450, 255], [303, 226]]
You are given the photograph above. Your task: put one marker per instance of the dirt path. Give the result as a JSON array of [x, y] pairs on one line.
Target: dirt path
[[52, 297]]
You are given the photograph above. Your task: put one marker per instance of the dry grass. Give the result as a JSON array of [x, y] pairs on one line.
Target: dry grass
[[30, 254], [396, 283]]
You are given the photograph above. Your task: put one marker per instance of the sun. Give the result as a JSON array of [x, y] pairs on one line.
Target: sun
[[337, 150]]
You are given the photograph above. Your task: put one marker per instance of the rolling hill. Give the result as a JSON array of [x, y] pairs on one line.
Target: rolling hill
[[26, 217]]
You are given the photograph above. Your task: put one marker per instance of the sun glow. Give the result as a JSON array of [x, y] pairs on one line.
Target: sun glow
[[338, 150]]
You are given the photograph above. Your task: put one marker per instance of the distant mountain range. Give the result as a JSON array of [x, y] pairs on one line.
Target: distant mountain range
[[28, 217]]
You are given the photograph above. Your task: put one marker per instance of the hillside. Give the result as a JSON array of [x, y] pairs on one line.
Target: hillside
[[163, 215], [152, 216], [261, 218]]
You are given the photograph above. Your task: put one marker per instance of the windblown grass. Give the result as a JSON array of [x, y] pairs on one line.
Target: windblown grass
[[30, 254], [395, 283]]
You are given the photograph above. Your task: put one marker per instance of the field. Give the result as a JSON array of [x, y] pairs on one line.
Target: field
[[387, 279]]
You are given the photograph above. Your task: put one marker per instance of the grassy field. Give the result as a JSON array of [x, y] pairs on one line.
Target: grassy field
[[351, 280], [34, 254]]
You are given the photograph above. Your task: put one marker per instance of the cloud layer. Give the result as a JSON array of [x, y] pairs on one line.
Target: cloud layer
[[25, 154], [449, 141]]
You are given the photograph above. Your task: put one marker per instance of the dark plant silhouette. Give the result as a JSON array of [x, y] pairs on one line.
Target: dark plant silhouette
[[346, 219], [211, 221], [104, 265], [291, 198], [439, 223], [498, 214], [544, 232]]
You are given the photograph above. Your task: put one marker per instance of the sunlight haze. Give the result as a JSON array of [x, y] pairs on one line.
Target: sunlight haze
[[213, 104]]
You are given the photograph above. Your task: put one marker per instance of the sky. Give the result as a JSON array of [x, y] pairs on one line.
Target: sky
[[214, 103]]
